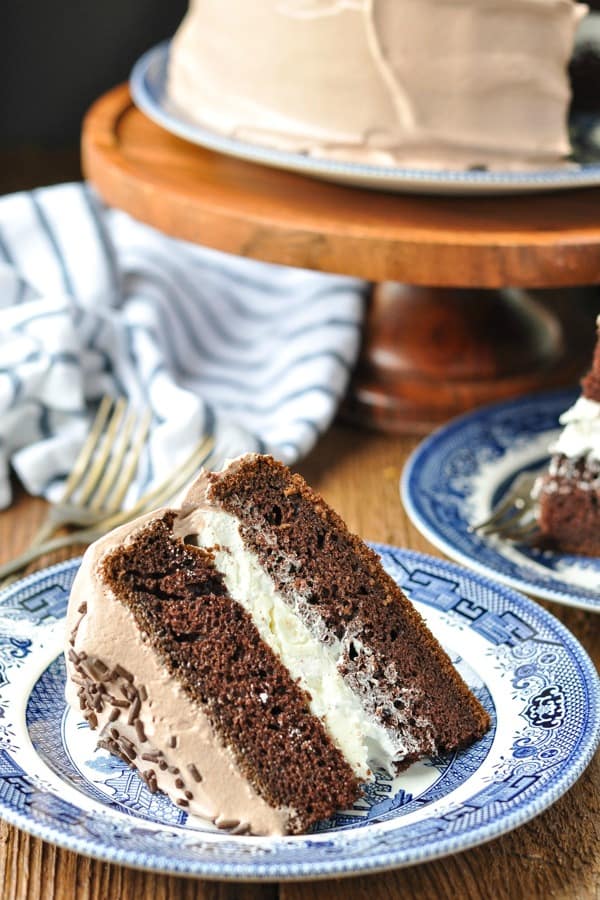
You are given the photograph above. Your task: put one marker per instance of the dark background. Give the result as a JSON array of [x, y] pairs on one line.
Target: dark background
[[56, 58]]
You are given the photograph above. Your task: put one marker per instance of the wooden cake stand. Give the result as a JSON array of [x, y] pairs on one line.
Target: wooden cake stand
[[442, 334]]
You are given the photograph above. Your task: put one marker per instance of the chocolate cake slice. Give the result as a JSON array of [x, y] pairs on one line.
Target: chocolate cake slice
[[252, 659], [568, 493]]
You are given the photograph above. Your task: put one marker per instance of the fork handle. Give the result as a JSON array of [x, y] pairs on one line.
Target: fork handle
[[57, 517], [80, 536], [67, 540], [44, 532], [49, 526]]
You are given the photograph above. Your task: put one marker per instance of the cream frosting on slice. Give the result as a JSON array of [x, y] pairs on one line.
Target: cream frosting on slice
[[421, 83], [581, 434], [176, 731]]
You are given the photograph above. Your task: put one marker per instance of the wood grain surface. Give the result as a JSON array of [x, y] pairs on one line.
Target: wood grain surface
[[540, 240], [557, 855]]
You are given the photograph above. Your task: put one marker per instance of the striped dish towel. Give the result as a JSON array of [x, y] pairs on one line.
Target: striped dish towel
[[93, 302]]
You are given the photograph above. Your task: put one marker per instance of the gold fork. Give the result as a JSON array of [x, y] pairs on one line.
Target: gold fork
[[98, 521], [103, 471], [514, 518]]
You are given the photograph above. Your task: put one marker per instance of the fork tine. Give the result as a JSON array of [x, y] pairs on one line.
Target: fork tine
[[514, 504], [513, 514], [112, 469], [85, 454], [199, 456], [165, 491], [130, 469], [98, 462], [510, 504], [518, 532]]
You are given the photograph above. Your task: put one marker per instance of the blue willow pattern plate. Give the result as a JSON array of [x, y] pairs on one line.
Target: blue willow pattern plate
[[148, 88], [537, 683], [457, 475]]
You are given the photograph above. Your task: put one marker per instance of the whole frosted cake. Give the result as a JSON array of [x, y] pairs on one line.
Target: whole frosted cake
[[419, 83]]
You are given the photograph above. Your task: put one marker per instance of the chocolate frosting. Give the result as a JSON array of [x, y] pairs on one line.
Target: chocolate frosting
[[420, 83]]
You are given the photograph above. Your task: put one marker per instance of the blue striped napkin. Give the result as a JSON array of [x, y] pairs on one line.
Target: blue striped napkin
[[93, 302]]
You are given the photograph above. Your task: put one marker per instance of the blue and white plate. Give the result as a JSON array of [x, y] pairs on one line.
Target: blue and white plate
[[148, 88], [537, 683], [456, 476]]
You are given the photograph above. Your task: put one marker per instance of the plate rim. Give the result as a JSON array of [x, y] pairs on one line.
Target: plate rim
[[392, 178], [379, 861], [571, 599]]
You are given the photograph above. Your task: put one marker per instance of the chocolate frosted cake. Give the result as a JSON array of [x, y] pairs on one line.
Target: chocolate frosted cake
[[434, 84], [252, 659], [569, 492]]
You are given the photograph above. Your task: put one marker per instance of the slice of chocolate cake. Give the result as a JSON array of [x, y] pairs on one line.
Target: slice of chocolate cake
[[252, 659], [569, 492]]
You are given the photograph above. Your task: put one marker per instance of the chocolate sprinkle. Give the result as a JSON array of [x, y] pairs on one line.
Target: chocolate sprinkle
[[127, 691], [122, 671], [134, 710], [194, 772], [126, 743], [227, 823], [114, 701], [151, 780], [151, 757], [127, 748]]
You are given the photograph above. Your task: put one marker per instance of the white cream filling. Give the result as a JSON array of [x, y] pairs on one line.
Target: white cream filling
[[362, 740], [581, 434]]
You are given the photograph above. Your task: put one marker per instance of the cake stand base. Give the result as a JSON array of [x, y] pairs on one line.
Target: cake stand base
[[432, 353]]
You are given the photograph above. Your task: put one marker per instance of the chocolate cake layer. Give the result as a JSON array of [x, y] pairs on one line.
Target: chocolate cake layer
[[209, 644], [339, 589], [569, 506], [568, 493]]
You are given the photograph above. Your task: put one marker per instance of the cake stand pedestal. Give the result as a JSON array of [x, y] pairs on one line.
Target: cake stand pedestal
[[446, 327]]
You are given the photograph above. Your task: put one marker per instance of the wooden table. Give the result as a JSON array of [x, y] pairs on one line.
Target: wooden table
[[557, 855]]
